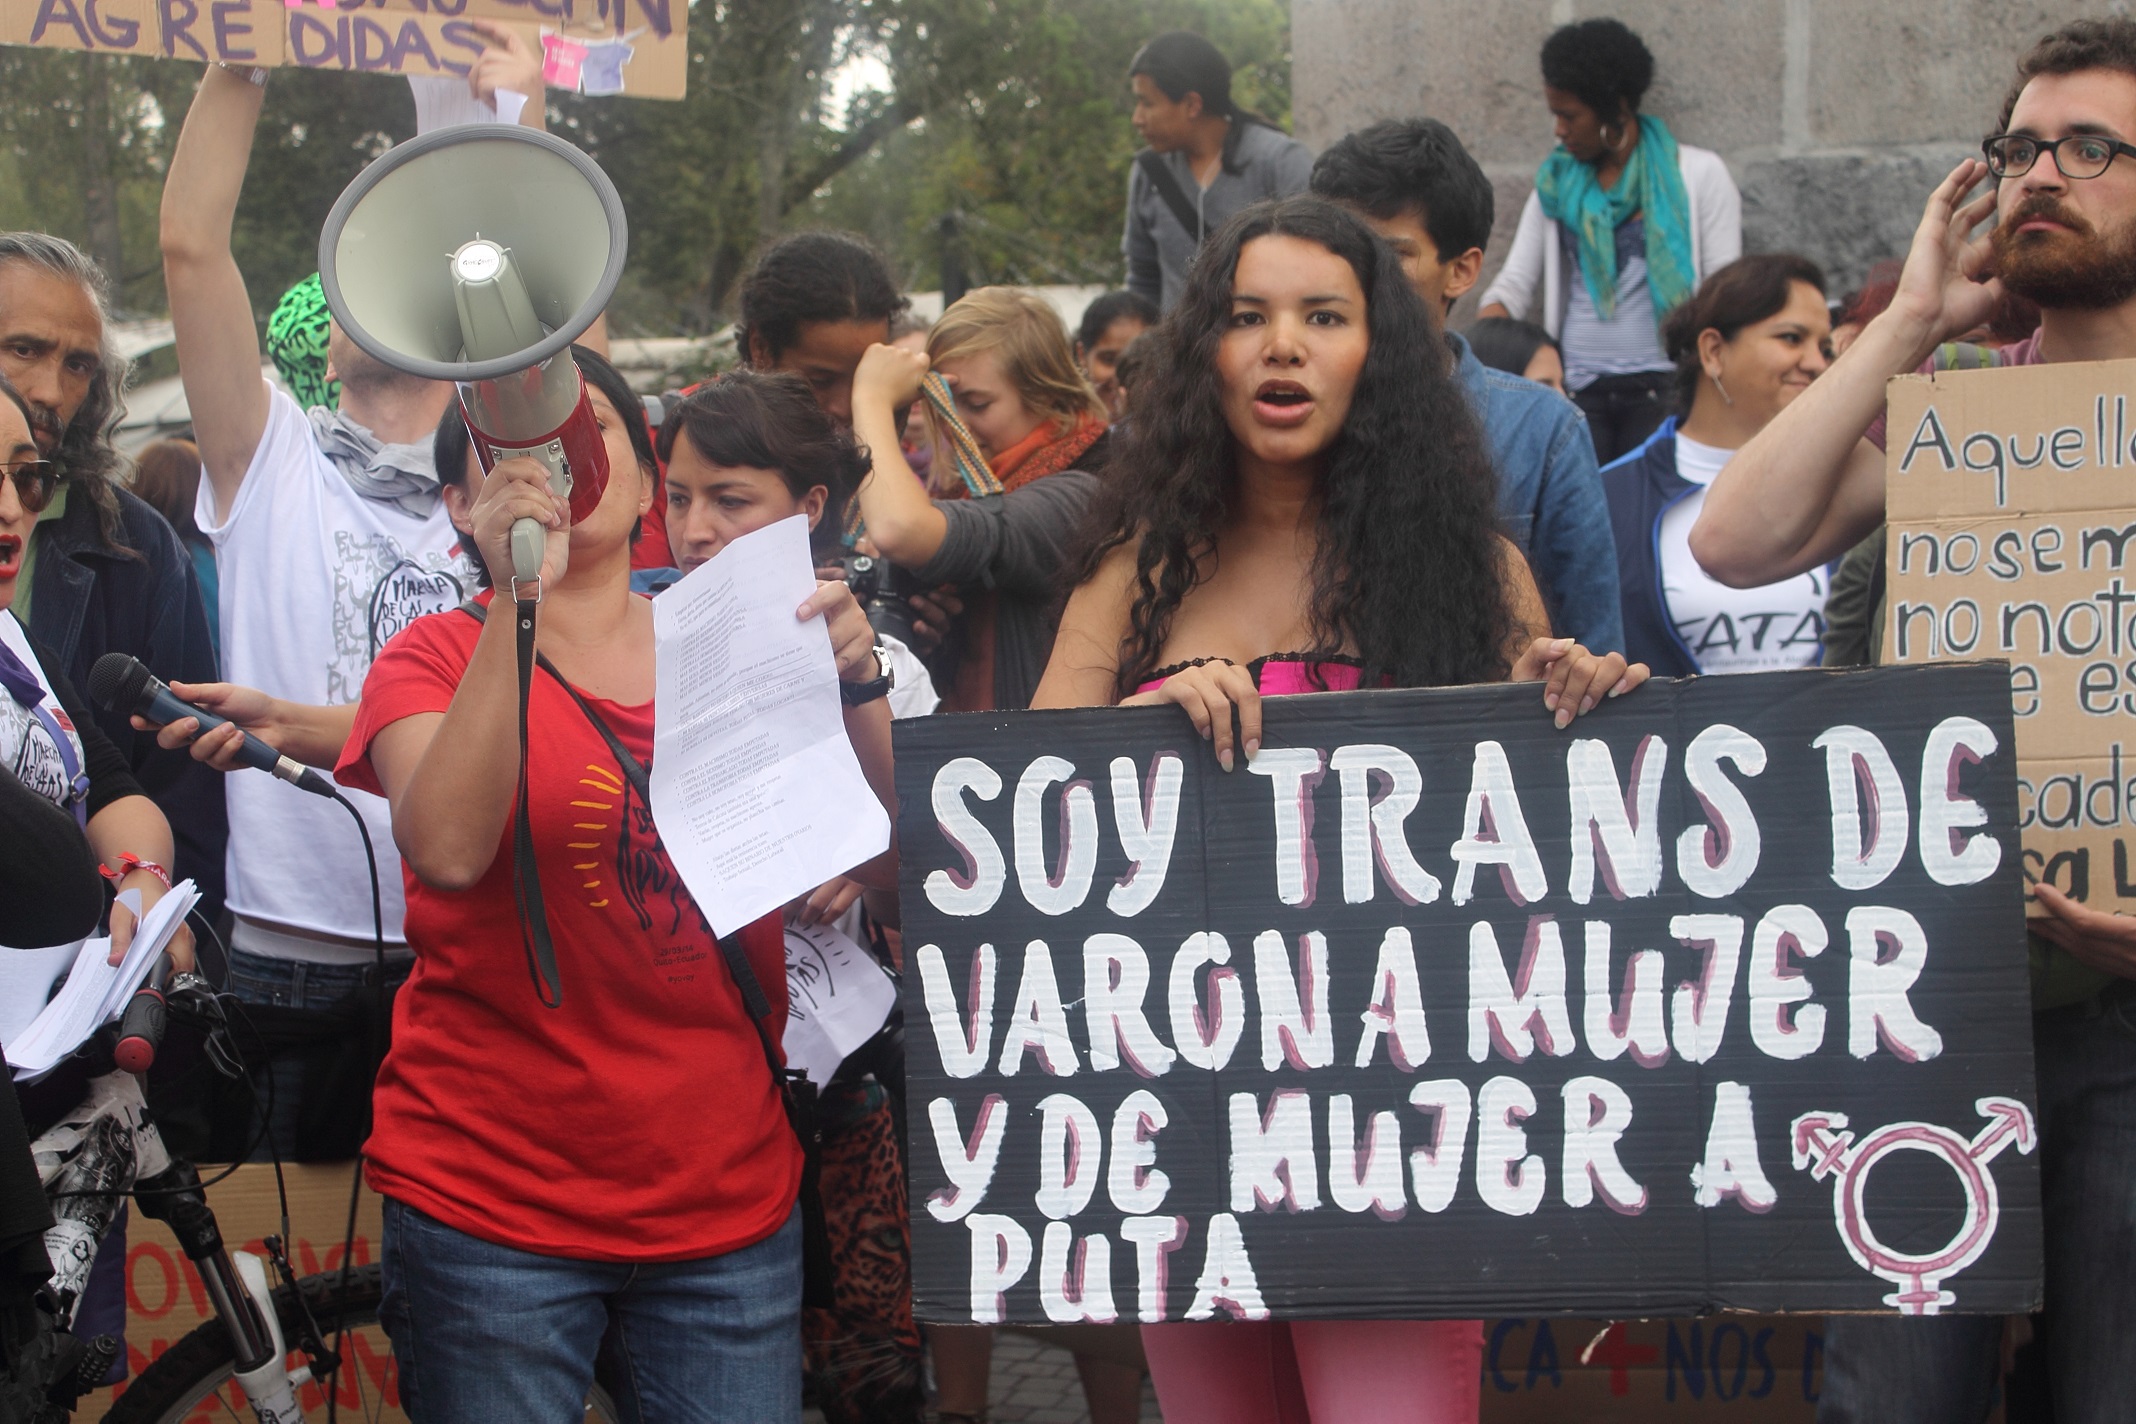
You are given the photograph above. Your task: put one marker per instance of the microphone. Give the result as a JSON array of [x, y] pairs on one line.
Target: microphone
[[118, 683]]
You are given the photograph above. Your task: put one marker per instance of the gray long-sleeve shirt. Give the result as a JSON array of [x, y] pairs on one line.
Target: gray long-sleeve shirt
[[1159, 249], [1017, 545]]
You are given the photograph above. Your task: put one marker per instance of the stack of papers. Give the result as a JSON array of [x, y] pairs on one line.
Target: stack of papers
[[95, 992]]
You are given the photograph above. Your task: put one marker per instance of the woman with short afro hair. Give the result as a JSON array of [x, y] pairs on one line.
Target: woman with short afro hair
[[1623, 225]]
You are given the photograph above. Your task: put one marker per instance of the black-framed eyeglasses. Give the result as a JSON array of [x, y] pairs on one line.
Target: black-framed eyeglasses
[[36, 481], [2077, 156]]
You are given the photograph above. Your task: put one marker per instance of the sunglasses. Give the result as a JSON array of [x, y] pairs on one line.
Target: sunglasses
[[36, 481]]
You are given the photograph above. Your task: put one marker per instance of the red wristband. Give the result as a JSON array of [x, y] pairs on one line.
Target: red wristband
[[129, 863]]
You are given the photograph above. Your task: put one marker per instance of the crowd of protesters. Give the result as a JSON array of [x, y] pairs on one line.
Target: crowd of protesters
[[1267, 465]]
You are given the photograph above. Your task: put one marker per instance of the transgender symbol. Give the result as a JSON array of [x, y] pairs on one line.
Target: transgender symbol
[[1825, 1148]]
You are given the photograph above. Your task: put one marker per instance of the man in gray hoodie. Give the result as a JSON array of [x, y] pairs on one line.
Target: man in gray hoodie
[[1207, 159]]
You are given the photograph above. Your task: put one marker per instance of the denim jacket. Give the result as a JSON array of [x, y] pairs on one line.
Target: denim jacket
[[1549, 496]]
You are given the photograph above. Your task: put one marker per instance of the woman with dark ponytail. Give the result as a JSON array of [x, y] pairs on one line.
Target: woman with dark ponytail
[[1302, 502]]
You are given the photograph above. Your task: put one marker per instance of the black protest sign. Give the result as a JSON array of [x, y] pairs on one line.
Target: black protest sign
[[1715, 1001]]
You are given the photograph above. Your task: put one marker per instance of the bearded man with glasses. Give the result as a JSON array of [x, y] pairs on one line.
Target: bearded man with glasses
[[1807, 489]]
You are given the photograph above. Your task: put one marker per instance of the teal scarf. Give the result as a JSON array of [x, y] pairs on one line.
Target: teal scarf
[[1652, 184]]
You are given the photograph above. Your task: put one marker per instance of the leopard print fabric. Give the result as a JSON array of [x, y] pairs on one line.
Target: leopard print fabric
[[863, 1354]]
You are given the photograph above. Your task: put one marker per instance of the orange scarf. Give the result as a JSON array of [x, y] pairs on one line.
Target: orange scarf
[[1045, 451]]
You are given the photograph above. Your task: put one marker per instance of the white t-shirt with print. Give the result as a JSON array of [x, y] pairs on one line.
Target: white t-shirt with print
[[315, 579], [1765, 629], [26, 744]]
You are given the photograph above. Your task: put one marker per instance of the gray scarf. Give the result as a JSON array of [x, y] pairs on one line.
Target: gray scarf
[[402, 475]]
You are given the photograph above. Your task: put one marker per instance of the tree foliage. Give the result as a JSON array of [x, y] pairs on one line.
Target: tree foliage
[[1027, 160], [1006, 118]]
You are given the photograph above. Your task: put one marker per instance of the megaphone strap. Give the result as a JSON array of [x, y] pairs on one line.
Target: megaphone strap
[[526, 875]]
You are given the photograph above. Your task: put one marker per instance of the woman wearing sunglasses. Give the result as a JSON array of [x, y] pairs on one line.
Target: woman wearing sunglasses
[[47, 740]]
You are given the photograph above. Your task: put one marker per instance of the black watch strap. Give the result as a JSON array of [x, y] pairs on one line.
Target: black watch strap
[[860, 694]]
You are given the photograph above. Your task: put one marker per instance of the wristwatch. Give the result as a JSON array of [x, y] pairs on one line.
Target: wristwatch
[[860, 694]]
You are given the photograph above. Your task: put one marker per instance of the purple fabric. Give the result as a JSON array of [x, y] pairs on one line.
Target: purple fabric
[[16, 676]]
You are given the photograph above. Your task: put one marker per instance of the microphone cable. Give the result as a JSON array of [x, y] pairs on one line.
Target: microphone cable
[[380, 1029]]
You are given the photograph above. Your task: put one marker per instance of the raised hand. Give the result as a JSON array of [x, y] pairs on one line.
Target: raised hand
[[1943, 291], [890, 375], [508, 63]]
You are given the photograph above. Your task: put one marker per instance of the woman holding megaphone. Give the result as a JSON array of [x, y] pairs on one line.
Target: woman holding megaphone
[[619, 1166]]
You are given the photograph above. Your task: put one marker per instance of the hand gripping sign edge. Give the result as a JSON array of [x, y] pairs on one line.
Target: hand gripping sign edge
[[1824, 1146]]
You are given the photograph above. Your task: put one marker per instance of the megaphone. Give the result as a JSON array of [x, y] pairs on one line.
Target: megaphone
[[477, 255]]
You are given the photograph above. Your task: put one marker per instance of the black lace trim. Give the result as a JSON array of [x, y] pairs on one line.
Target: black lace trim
[[1254, 668]]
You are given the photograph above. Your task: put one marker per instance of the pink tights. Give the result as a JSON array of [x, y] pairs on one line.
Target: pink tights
[[1329, 1372]]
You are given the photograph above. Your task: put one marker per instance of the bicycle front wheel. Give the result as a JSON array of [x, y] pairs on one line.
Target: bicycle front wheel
[[195, 1374]]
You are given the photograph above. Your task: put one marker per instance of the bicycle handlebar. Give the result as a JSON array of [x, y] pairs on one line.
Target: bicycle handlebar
[[147, 1016]]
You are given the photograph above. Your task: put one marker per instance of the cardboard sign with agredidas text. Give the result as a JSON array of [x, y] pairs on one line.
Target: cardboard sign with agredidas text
[[633, 47], [2011, 507]]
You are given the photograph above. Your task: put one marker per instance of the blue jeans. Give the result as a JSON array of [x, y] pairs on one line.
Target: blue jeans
[[1943, 1369], [487, 1334], [284, 1079]]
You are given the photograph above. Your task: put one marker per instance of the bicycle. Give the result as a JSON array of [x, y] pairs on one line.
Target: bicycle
[[270, 1336]]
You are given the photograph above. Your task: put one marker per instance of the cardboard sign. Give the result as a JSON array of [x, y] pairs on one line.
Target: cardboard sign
[[635, 47], [1715, 1002], [2011, 509], [1727, 1369]]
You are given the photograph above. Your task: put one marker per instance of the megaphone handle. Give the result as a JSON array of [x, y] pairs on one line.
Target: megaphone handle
[[529, 542]]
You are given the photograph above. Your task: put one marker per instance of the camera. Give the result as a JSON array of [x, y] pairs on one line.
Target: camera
[[883, 592]]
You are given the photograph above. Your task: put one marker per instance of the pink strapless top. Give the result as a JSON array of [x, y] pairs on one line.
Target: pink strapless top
[[1283, 674]]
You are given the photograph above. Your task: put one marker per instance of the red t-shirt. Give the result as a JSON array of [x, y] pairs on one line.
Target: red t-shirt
[[636, 1122]]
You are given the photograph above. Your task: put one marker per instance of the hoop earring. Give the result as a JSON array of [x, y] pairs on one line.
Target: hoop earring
[[1725, 397], [1608, 141]]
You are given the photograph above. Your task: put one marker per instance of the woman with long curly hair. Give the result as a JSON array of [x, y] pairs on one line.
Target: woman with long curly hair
[[1302, 502]]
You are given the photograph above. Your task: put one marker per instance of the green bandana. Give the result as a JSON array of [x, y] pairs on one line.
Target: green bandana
[[296, 343]]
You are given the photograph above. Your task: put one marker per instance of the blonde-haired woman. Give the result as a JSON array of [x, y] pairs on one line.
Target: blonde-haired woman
[[1041, 430], [1040, 427]]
